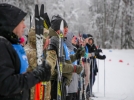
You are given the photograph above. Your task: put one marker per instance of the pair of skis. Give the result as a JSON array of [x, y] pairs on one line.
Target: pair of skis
[[40, 19], [60, 62], [82, 89]]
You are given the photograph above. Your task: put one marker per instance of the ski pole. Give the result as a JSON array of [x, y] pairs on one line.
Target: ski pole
[[104, 78], [84, 89], [60, 55], [30, 22], [80, 95], [91, 77], [98, 71], [98, 75], [39, 44]]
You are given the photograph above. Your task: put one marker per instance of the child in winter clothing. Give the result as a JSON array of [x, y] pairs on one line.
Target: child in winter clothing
[[73, 87], [93, 65]]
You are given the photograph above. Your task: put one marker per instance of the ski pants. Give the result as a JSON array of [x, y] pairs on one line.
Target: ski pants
[[91, 84]]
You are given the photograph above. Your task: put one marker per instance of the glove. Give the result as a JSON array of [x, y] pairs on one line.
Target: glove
[[99, 50], [80, 52], [77, 69], [43, 72], [83, 59], [103, 57]]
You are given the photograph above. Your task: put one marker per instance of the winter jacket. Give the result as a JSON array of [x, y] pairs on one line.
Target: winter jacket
[[68, 67], [13, 85], [92, 49], [73, 87]]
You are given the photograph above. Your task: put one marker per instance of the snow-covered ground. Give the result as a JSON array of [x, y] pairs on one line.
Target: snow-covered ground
[[119, 76]]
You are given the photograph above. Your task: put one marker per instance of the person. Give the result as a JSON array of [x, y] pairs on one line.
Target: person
[[30, 49], [73, 87], [85, 75], [86, 61], [95, 53], [52, 51], [15, 82]]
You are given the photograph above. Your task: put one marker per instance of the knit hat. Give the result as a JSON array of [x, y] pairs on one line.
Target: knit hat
[[68, 41], [56, 21], [90, 36], [84, 36]]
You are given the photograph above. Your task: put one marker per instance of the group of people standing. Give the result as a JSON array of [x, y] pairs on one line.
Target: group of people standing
[[19, 72]]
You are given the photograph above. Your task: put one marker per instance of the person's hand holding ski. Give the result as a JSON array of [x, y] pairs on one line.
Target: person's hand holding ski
[[43, 72], [80, 52], [96, 54]]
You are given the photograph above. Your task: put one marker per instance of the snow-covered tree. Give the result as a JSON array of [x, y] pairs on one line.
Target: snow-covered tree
[[111, 22]]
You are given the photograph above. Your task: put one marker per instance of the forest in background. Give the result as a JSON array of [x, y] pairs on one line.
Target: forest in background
[[111, 22]]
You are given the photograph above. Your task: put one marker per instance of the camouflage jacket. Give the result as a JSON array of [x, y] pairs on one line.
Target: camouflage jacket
[[67, 67]]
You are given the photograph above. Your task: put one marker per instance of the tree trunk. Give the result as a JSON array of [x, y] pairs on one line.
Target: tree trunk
[[114, 24], [128, 43], [122, 31], [104, 26]]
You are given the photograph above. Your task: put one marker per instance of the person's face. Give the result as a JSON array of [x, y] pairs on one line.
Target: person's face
[[19, 29], [74, 40], [83, 43], [90, 41], [86, 40], [65, 31]]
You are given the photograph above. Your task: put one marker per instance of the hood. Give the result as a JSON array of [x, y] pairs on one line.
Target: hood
[[68, 41], [10, 17]]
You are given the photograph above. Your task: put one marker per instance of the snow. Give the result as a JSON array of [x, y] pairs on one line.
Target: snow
[[119, 76]]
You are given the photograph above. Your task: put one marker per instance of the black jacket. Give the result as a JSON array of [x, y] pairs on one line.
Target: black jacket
[[13, 85], [93, 49]]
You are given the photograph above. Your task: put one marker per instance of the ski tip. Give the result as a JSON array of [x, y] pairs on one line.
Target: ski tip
[[42, 5], [61, 26], [36, 5]]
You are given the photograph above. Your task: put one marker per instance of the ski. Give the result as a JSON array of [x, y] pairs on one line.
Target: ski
[[47, 23], [84, 90], [39, 45], [80, 90], [60, 63]]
